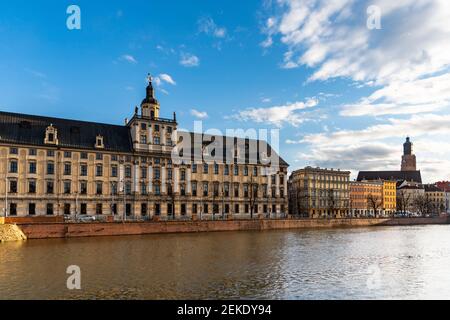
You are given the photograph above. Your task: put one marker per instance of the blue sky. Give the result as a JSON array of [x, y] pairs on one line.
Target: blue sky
[[309, 68]]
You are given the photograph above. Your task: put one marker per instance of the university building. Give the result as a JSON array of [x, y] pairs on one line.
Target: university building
[[51, 166]]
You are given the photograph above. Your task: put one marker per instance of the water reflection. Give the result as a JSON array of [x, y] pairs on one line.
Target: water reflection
[[295, 264]]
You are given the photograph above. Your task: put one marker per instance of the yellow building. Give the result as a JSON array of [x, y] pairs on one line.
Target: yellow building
[[389, 197]]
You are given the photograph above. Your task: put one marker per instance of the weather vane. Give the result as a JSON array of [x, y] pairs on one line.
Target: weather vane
[[149, 78]]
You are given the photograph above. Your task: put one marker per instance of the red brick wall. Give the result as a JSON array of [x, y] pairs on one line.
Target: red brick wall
[[30, 220]]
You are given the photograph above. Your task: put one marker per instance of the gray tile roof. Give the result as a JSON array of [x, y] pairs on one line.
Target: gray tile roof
[[30, 130], [390, 175]]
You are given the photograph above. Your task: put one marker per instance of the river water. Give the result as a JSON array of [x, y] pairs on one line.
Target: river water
[[411, 262]]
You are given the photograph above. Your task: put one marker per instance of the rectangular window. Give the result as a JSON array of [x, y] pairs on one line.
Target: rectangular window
[[114, 171], [114, 157], [113, 188], [13, 186], [67, 169], [32, 167], [32, 152], [205, 168], [205, 208], [50, 188], [32, 186], [236, 208], [194, 168], [236, 170], [143, 173], [194, 189], [13, 209], [156, 127], [246, 208], [169, 174], [83, 208], [226, 170], [245, 171], [99, 209], [236, 190], [67, 187], [128, 209], [205, 189], [49, 209], [67, 209], [50, 153], [84, 155], [50, 168], [31, 209], [83, 187], [13, 166], [114, 208], [99, 156], [99, 188], [157, 173], [13, 151], [157, 189], [128, 188], [183, 175], [143, 139], [143, 189], [99, 170], [127, 172], [183, 209], [67, 154], [143, 209], [157, 209], [255, 171], [194, 208], [156, 140], [143, 126], [169, 129], [216, 168]]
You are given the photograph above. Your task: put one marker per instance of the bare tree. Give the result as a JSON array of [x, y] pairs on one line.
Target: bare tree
[[374, 203], [403, 201], [422, 203]]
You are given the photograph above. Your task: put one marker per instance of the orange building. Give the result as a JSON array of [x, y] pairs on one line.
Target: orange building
[[366, 198]]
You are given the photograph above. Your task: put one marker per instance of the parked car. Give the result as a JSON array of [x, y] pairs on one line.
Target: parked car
[[86, 218]]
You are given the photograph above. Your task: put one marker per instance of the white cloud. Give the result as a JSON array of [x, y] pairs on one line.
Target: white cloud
[[199, 114], [277, 115], [166, 78], [378, 147], [208, 26], [332, 38], [128, 58], [189, 60]]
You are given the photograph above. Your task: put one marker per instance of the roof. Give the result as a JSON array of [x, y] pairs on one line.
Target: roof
[[30, 130], [254, 154], [432, 188], [390, 175]]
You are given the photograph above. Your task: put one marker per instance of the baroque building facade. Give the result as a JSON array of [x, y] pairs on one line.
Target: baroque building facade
[[144, 168]]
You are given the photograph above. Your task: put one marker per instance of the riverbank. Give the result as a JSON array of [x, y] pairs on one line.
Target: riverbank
[[11, 232], [73, 230]]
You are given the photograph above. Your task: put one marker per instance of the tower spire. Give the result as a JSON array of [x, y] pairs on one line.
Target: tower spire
[[150, 106]]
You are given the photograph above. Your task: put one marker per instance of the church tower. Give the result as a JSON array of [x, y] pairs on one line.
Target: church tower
[[408, 158], [150, 106]]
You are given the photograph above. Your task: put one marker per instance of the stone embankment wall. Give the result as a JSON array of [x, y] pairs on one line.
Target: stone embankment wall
[[69, 230], [11, 232]]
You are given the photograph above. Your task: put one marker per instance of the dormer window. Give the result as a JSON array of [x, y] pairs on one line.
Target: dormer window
[[99, 142], [51, 135]]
